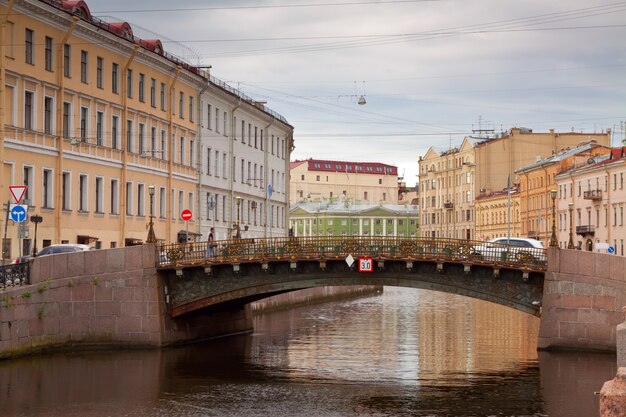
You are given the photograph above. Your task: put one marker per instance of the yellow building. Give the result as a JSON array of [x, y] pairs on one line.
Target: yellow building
[[450, 181], [498, 214], [536, 181], [93, 119], [352, 182]]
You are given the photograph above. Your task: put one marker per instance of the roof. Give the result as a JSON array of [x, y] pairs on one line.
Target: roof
[[584, 147], [324, 165]]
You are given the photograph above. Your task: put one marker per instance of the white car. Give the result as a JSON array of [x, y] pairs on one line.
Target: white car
[[511, 249], [63, 248]]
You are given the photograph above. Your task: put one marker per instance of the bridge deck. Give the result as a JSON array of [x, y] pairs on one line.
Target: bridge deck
[[237, 251]]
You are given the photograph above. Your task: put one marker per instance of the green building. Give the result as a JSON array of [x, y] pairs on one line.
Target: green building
[[339, 219]]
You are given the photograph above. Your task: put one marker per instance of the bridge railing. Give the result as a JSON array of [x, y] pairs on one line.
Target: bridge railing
[[330, 247], [14, 275]]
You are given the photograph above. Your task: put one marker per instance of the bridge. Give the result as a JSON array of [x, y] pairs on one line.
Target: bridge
[[239, 271]]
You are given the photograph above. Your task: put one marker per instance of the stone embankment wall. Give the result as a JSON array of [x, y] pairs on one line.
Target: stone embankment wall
[[101, 298], [582, 300]]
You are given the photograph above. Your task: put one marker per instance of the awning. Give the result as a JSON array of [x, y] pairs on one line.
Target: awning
[[86, 239]]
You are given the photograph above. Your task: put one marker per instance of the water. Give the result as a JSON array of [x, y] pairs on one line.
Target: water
[[401, 353]]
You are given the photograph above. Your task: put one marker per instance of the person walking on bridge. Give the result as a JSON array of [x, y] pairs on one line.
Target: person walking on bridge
[[211, 244]]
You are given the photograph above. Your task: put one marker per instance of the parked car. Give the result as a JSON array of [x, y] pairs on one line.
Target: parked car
[[63, 248], [21, 259], [515, 249]]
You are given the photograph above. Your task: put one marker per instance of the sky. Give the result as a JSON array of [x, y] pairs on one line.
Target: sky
[[430, 71]]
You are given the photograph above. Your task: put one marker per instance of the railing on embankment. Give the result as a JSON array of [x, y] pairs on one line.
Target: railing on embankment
[[236, 251], [14, 275]]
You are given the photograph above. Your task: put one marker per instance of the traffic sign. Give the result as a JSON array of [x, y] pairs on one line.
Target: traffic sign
[[611, 249], [366, 265], [17, 191], [18, 212], [186, 215]]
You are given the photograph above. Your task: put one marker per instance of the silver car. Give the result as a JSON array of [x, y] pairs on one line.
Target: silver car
[[63, 248], [511, 249]]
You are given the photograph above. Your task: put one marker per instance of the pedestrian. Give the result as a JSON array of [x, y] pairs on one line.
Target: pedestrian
[[211, 243]]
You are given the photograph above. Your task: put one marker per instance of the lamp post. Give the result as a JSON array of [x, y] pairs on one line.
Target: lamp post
[[151, 236], [35, 219], [553, 240], [237, 228], [570, 243]]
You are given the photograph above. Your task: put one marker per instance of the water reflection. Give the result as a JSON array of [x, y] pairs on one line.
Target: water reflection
[[403, 353]]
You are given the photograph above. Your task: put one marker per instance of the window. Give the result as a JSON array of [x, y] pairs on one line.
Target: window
[[27, 177], [181, 103], [129, 198], [141, 200], [129, 83], [163, 96], [83, 66], [66, 191], [142, 129], [114, 128], [115, 75], [114, 197], [99, 127], [217, 120], [191, 108], [243, 129], [129, 135], [217, 172], [208, 116], [208, 161], [47, 181], [66, 119], [29, 46], [162, 203], [153, 144], [48, 54], [82, 192], [163, 144], [142, 86], [66, 60], [28, 110], [84, 116], [153, 92], [99, 203], [182, 150], [47, 115], [224, 119]]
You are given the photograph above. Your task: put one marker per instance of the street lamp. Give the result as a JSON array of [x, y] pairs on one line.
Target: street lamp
[[237, 228], [151, 236], [553, 240], [35, 219], [570, 243]]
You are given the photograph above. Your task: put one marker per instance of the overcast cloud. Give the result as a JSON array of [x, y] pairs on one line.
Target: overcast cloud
[[428, 69]]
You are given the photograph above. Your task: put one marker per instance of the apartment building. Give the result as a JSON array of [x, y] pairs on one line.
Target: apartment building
[[590, 204], [106, 129], [498, 214], [245, 153], [537, 179], [450, 181], [355, 182]]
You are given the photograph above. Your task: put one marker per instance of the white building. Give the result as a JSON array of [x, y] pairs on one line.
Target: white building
[[243, 165]]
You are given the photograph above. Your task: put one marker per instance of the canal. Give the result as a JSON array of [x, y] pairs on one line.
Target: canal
[[399, 353]]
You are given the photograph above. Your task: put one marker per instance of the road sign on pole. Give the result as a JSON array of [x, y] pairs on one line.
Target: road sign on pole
[[186, 215], [17, 191], [18, 212]]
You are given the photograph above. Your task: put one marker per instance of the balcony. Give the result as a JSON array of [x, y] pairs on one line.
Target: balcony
[[448, 205], [594, 195], [586, 230]]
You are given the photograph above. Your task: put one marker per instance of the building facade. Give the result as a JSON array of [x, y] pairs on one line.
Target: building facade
[[103, 128], [590, 204], [537, 179], [450, 181], [498, 214], [334, 181], [245, 152], [337, 219]]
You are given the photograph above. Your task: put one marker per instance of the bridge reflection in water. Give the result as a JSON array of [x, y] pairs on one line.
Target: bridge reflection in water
[[237, 272]]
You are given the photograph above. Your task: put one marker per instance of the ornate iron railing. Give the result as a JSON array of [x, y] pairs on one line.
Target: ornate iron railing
[[14, 275], [332, 248]]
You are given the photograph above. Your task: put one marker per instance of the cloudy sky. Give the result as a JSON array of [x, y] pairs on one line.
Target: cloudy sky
[[429, 70]]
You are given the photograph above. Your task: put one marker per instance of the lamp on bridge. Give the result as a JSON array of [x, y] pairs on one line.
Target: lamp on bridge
[[570, 243], [151, 236], [237, 228], [553, 240]]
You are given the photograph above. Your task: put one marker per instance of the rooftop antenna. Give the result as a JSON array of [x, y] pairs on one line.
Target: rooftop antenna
[[361, 98]]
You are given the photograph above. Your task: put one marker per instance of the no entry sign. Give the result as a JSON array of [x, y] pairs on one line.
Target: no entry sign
[[186, 215]]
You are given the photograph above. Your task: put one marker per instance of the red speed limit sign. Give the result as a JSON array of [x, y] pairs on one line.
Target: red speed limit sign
[[366, 265]]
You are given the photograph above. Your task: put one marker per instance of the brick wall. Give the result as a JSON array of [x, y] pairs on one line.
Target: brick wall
[[583, 296]]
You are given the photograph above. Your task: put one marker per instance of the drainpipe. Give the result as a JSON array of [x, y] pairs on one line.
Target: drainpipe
[[124, 143], [608, 204], [3, 186], [59, 127], [170, 154], [232, 160], [265, 175], [199, 160]]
